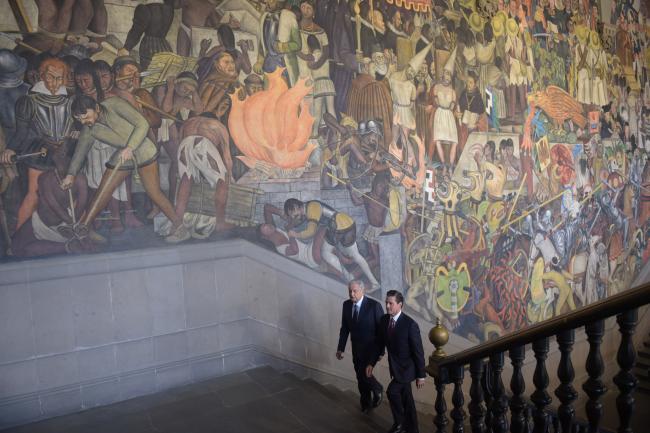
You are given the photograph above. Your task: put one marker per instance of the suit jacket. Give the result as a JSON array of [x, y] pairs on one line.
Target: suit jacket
[[364, 332], [404, 346]]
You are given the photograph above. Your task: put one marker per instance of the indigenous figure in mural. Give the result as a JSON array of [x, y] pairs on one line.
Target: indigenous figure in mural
[[116, 123], [151, 22]]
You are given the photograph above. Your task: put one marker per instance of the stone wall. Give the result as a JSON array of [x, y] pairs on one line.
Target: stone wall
[[79, 332]]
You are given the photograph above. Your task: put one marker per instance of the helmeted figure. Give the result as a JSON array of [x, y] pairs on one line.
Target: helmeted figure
[[12, 87]]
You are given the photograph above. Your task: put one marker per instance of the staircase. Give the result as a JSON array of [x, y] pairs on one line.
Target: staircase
[[642, 367], [261, 400]]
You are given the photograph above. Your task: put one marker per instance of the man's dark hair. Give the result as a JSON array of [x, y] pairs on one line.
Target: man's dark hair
[[399, 298], [82, 104], [88, 67], [291, 204]]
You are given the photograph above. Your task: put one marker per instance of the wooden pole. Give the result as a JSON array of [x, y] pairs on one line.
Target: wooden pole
[[20, 14]]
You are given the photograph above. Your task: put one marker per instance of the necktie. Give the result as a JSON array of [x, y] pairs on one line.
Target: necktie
[[391, 327], [355, 315]]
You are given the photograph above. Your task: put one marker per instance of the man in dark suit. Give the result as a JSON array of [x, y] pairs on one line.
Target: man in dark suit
[[400, 335], [360, 319]]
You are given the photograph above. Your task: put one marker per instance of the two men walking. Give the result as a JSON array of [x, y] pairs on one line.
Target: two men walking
[[372, 334]]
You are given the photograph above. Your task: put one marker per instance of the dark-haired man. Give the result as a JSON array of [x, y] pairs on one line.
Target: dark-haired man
[[360, 319], [116, 123], [341, 233], [400, 335]]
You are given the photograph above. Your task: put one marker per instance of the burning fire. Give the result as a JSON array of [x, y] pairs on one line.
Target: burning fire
[[273, 126]]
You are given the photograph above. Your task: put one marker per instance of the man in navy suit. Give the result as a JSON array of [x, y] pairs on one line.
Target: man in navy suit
[[400, 335], [360, 320]]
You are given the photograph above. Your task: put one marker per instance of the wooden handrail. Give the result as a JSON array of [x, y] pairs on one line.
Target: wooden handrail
[[611, 306]]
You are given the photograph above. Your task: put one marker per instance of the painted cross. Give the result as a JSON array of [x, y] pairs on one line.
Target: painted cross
[[430, 186]]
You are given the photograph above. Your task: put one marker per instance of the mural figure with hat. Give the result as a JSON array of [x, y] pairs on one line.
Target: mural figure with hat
[[597, 71], [370, 96], [12, 87], [151, 22], [516, 63]]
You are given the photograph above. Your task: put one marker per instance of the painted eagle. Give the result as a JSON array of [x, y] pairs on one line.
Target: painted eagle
[[558, 105]]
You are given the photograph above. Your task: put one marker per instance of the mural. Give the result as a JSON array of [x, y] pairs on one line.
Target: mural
[[488, 157]]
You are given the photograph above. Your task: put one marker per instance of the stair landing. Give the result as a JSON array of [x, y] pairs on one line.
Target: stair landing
[[255, 401]]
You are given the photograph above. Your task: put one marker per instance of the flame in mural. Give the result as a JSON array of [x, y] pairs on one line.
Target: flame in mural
[[273, 126]]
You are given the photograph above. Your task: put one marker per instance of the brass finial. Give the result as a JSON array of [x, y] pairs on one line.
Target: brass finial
[[439, 336]]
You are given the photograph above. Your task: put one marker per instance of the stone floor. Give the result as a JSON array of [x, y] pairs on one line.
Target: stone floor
[[256, 401], [261, 400]]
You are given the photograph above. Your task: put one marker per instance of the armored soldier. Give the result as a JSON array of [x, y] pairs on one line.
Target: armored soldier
[[43, 122]]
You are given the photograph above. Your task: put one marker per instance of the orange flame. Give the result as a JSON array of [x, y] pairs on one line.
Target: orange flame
[[273, 125]]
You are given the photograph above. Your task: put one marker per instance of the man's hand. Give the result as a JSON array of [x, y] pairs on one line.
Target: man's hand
[[419, 383], [67, 182], [171, 80], [292, 234], [369, 371], [257, 67], [126, 155], [234, 23], [205, 44], [6, 155], [339, 355]]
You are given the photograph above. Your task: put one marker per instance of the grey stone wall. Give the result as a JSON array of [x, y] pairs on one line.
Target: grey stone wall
[[79, 332]]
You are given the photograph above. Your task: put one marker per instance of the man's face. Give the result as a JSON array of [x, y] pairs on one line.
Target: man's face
[[85, 83], [227, 65], [509, 151], [410, 73], [397, 21], [307, 11], [378, 21], [222, 108], [297, 214], [184, 90], [356, 292], [271, 4], [487, 154], [392, 306], [128, 78], [89, 117], [253, 88], [105, 79], [471, 84], [53, 78], [379, 59]]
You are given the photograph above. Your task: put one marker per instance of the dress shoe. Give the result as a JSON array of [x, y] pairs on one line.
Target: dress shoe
[[377, 398], [397, 428]]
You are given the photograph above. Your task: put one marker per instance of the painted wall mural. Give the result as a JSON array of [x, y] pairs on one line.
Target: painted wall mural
[[487, 157]]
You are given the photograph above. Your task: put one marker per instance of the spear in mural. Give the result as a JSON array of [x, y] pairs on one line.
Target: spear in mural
[[357, 13], [345, 182], [521, 185], [20, 43], [525, 214]]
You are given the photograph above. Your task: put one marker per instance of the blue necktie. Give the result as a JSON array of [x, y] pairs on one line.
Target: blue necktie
[[355, 315]]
